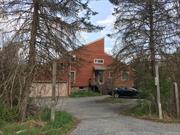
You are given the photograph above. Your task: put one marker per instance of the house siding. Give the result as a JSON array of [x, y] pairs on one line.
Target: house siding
[[84, 72]]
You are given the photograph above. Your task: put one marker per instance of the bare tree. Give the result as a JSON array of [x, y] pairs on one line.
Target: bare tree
[[143, 28], [45, 28]]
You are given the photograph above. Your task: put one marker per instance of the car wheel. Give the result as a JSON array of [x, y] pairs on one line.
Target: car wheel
[[116, 95]]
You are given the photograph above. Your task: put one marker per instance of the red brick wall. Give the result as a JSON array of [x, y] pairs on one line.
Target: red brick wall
[[84, 71], [87, 54]]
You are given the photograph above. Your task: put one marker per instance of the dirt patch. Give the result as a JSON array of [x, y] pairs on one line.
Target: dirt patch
[[34, 123]]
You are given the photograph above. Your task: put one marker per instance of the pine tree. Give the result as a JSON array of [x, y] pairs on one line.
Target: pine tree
[[143, 28]]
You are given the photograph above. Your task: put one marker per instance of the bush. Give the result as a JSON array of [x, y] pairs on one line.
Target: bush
[[84, 93], [40, 124], [61, 119], [8, 114], [143, 108]]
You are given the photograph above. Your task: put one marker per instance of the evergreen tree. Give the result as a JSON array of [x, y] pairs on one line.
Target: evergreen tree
[[144, 28], [44, 27]]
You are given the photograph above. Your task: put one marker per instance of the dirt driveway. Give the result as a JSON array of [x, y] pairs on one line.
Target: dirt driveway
[[98, 118]]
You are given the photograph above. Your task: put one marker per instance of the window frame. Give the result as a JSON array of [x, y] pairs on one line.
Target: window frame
[[99, 78], [122, 75], [96, 61], [74, 78]]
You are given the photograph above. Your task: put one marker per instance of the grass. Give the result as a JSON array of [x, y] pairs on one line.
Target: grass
[[84, 93], [40, 125], [143, 111]]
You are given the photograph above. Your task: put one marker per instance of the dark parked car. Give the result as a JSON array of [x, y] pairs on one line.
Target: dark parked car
[[121, 92]]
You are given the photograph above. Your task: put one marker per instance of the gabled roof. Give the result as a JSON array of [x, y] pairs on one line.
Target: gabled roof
[[90, 43]]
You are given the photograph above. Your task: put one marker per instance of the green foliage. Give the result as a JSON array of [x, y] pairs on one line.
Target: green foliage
[[84, 93], [62, 124], [165, 89], [143, 108], [61, 119], [147, 90], [43, 115], [8, 114], [146, 84]]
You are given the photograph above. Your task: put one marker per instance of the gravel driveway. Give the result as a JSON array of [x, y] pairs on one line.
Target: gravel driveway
[[99, 118]]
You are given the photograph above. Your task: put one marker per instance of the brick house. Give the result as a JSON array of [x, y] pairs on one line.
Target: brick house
[[91, 66]]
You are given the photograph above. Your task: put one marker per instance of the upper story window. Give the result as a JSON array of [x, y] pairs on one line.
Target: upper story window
[[125, 75], [61, 66], [73, 58], [98, 61]]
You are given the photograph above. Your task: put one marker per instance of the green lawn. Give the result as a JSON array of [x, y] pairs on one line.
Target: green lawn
[[40, 125], [84, 93]]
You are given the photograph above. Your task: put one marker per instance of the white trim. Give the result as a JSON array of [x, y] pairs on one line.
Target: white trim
[[96, 61]]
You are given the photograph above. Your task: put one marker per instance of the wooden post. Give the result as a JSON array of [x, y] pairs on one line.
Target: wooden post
[[177, 100], [158, 91], [53, 90]]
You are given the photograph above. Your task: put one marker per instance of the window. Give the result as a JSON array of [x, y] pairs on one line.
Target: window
[[73, 76], [125, 75], [73, 58], [61, 66], [110, 74], [98, 61]]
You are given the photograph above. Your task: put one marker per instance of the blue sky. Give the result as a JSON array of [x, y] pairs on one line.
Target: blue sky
[[103, 18]]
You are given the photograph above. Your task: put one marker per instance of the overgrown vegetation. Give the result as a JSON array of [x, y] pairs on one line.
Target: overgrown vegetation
[[147, 35], [37, 32], [8, 114], [84, 93], [38, 124], [144, 110], [146, 84]]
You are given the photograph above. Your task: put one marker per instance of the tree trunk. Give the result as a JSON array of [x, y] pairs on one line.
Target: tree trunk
[[31, 61], [151, 38]]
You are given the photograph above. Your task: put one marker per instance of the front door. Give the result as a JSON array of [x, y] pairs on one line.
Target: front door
[[99, 76]]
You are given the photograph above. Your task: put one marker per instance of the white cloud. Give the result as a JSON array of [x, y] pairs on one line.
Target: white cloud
[[108, 50]]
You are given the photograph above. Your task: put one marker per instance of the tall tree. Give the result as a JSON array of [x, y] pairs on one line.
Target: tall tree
[[44, 28], [148, 31], [143, 29]]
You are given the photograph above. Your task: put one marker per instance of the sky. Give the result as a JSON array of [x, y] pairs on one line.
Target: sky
[[103, 18]]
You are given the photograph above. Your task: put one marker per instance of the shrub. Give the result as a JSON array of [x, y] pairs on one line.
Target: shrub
[[144, 107], [61, 119], [84, 93], [40, 124], [8, 114]]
